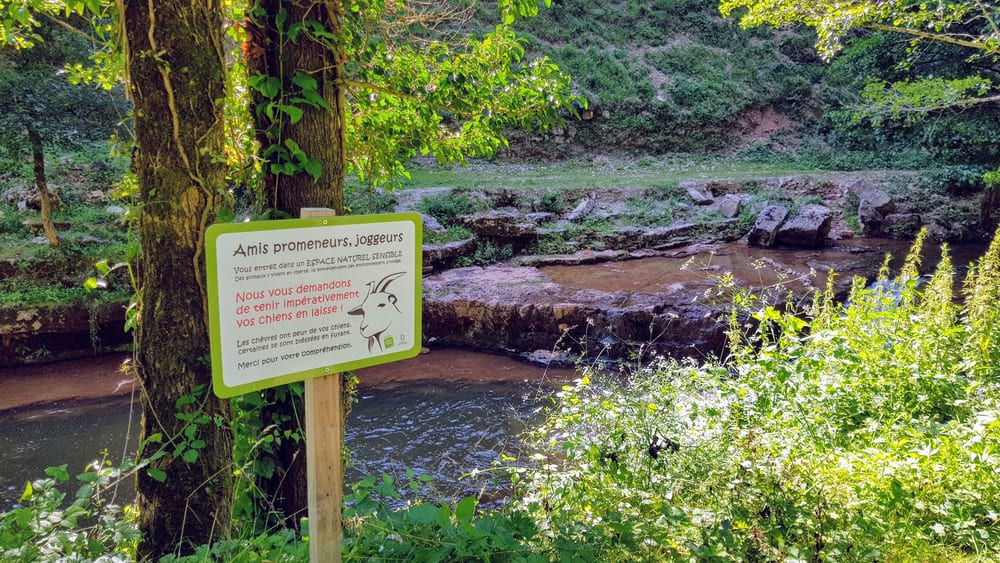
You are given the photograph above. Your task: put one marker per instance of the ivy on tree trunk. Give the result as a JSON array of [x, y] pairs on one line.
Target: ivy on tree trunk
[[300, 121]]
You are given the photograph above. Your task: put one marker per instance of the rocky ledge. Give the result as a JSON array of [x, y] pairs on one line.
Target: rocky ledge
[[519, 310], [57, 332]]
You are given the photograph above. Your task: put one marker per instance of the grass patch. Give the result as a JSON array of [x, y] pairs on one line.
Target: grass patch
[[586, 174], [452, 234]]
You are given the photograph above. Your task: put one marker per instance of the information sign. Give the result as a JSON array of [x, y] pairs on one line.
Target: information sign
[[301, 298]]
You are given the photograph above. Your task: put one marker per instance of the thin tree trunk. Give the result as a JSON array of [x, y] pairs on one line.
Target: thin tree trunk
[[176, 80], [989, 209], [45, 197]]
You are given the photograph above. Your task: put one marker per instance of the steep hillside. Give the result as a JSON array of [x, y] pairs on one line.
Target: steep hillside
[[673, 75]]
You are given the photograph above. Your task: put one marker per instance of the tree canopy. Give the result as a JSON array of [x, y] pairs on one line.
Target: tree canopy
[[971, 24]]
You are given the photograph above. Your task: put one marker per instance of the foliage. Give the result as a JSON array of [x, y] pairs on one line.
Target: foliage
[[968, 28], [284, 545], [955, 180], [424, 530], [49, 525], [657, 71], [445, 207], [486, 253], [550, 202], [365, 201], [36, 88], [860, 432], [452, 234]]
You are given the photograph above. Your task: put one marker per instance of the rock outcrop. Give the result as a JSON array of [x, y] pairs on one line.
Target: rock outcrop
[[60, 332], [519, 310]]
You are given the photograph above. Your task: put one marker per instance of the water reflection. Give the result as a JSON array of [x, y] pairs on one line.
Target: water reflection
[[799, 269]]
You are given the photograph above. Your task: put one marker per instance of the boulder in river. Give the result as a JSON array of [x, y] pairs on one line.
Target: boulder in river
[[766, 227], [809, 228]]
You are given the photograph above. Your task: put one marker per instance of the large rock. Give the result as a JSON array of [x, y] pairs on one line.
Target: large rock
[[766, 228], [728, 205], [581, 210], [519, 309], [432, 225], [873, 206], [809, 228], [438, 256], [901, 225], [699, 197]]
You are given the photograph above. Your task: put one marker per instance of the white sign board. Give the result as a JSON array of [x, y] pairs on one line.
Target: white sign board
[[295, 299]]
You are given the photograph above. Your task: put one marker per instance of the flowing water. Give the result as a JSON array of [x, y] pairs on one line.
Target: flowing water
[[442, 414]]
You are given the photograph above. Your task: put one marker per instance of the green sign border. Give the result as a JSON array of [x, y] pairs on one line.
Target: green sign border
[[215, 333]]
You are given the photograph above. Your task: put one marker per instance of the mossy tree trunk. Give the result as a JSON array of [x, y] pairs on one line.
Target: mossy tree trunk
[[45, 197], [176, 80], [320, 133]]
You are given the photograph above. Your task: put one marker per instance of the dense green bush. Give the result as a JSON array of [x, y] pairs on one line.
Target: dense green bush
[[445, 207], [866, 432], [954, 180]]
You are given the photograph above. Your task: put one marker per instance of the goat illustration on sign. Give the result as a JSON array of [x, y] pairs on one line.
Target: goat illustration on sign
[[378, 311]]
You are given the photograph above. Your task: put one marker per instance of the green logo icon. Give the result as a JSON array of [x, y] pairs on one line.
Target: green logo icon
[[388, 342]]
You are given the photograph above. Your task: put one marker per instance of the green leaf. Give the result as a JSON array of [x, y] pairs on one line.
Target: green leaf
[[59, 472], [422, 514], [28, 491], [185, 400], [293, 112], [295, 150], [313, 167], [85, 492], [157, 474], [88, 477], [305, 82], [443, 517], [268, 86], [190, 455], [465, 509]]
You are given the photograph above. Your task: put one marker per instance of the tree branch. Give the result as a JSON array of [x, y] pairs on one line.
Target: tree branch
[[959, 104], [940, 37]]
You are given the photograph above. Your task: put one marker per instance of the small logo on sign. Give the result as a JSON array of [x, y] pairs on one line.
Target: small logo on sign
[[388, 342]]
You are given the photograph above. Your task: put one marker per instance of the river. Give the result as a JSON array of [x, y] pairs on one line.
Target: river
[[444, 414]]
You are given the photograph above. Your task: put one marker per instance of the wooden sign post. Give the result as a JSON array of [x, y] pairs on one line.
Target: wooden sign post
[[305, 300], [324, 453]]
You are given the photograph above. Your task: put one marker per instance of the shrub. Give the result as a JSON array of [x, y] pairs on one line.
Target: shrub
[[445, 207], [486, 253], [864, 432], [954, 180], [366, 201]]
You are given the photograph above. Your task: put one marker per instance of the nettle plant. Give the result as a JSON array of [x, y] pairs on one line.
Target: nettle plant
[[865, 431]]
